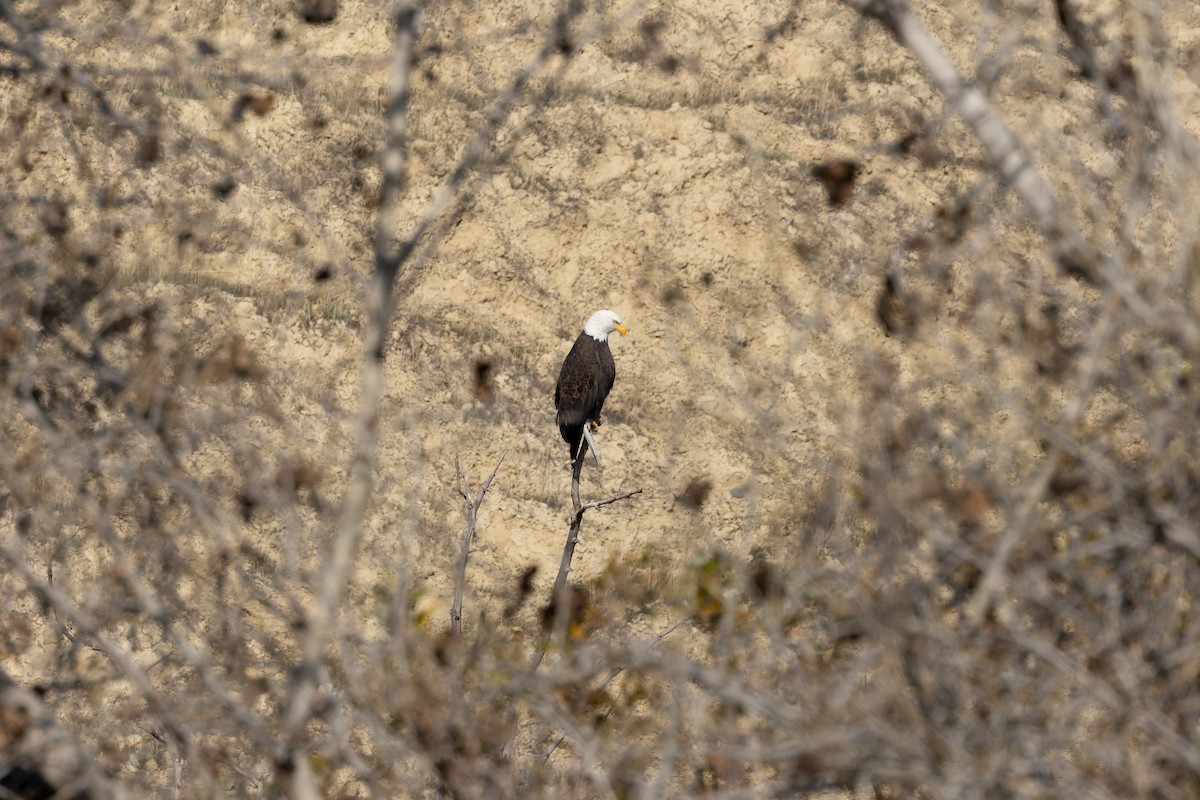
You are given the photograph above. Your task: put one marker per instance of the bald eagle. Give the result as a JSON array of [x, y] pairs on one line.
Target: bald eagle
[[586, 377]]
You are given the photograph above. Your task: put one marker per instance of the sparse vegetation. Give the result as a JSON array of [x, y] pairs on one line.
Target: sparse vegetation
[[910, 389]]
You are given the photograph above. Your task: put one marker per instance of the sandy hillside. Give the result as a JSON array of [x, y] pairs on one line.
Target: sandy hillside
[[667, 178], [663, 171]]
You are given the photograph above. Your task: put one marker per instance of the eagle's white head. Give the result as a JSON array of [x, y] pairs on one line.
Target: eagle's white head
[[602, 323]]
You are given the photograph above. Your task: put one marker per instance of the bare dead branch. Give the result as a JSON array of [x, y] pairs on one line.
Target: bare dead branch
[[598, 503], [472, 505], [564, 567], [1128, 79], [561, 600]]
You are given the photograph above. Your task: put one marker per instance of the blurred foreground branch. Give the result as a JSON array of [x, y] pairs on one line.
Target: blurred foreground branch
[[380, 303], [1007, 154], [1010, 158], [40, 759]]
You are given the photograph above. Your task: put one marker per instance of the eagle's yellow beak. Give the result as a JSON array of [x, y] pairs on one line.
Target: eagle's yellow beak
[[621, 329]]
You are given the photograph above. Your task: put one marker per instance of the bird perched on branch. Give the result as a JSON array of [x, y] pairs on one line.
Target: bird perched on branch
[[584, 382]]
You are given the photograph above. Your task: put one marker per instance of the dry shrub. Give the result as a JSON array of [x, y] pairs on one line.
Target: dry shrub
[[982, 587]]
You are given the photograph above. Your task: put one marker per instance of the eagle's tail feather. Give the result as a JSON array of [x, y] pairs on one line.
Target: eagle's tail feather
[[591, 443]]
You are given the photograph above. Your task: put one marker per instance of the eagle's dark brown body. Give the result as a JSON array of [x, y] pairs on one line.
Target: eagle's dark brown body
[[586, 378]]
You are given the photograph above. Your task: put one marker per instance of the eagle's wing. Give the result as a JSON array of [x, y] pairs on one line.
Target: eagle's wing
[[576, 392]]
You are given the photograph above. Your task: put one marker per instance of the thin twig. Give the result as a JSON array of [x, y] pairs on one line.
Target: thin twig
[[476, 148], [1089, 373], [89, 627], [1083, 53], [611, 676], [609, 501]]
